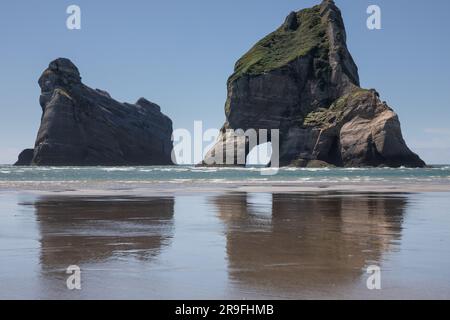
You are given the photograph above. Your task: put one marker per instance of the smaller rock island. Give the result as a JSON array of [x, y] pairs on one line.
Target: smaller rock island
[[81, 126]]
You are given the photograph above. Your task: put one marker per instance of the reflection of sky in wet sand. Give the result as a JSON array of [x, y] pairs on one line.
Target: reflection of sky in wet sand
[[298, 242], [233, 245]]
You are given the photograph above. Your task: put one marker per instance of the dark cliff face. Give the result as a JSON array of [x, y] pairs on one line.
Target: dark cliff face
[[295, 80], [25, 158], [302, 66], [81, 126]]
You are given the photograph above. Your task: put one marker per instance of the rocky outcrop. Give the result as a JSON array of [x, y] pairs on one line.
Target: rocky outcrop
[[302, 80], [81, 126], [25, 157]]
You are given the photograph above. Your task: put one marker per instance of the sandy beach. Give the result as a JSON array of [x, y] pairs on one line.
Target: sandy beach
[[134, 188], [225, 241]]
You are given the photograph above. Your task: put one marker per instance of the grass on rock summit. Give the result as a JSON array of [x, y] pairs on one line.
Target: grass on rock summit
[[284, 45]]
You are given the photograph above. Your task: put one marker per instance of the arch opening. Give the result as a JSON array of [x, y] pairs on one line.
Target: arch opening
[[260, 155]]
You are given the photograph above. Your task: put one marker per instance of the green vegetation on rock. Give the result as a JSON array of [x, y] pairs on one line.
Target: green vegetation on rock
[[285, 45], [323, 117]]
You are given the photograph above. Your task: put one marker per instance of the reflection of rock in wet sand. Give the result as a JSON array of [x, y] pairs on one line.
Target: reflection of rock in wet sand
[[301, 242], [83, 230]]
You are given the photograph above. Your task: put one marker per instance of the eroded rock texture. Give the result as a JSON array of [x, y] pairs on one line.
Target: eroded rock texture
[[81, 126], [302, 80]]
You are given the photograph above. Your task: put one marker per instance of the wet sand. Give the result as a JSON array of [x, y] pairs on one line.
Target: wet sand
[[148, 188], [224, 244]]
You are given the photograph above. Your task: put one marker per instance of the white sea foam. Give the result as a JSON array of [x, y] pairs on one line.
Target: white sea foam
[[305, 169], [207, 170], [173, 169], [113, 169]]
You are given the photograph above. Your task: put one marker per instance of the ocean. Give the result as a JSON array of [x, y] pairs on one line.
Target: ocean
[[10, 175]]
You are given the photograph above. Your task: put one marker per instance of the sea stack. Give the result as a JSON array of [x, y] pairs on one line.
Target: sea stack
[[302, 80], [81, 126]]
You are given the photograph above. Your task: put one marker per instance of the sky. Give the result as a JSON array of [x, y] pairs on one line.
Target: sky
[[179, 54]]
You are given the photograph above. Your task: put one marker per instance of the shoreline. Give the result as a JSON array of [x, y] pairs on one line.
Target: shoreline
[[142, 189]]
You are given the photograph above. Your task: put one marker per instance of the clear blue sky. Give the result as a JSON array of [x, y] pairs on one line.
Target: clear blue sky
[[180, 53]]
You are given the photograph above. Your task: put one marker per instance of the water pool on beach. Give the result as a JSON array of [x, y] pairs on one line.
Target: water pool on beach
[[225, 245]]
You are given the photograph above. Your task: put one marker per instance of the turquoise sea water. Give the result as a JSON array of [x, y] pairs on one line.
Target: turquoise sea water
[[436, 174]]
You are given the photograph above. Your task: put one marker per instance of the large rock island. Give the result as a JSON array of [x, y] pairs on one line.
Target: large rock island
[[302, 80], [81, 126]]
